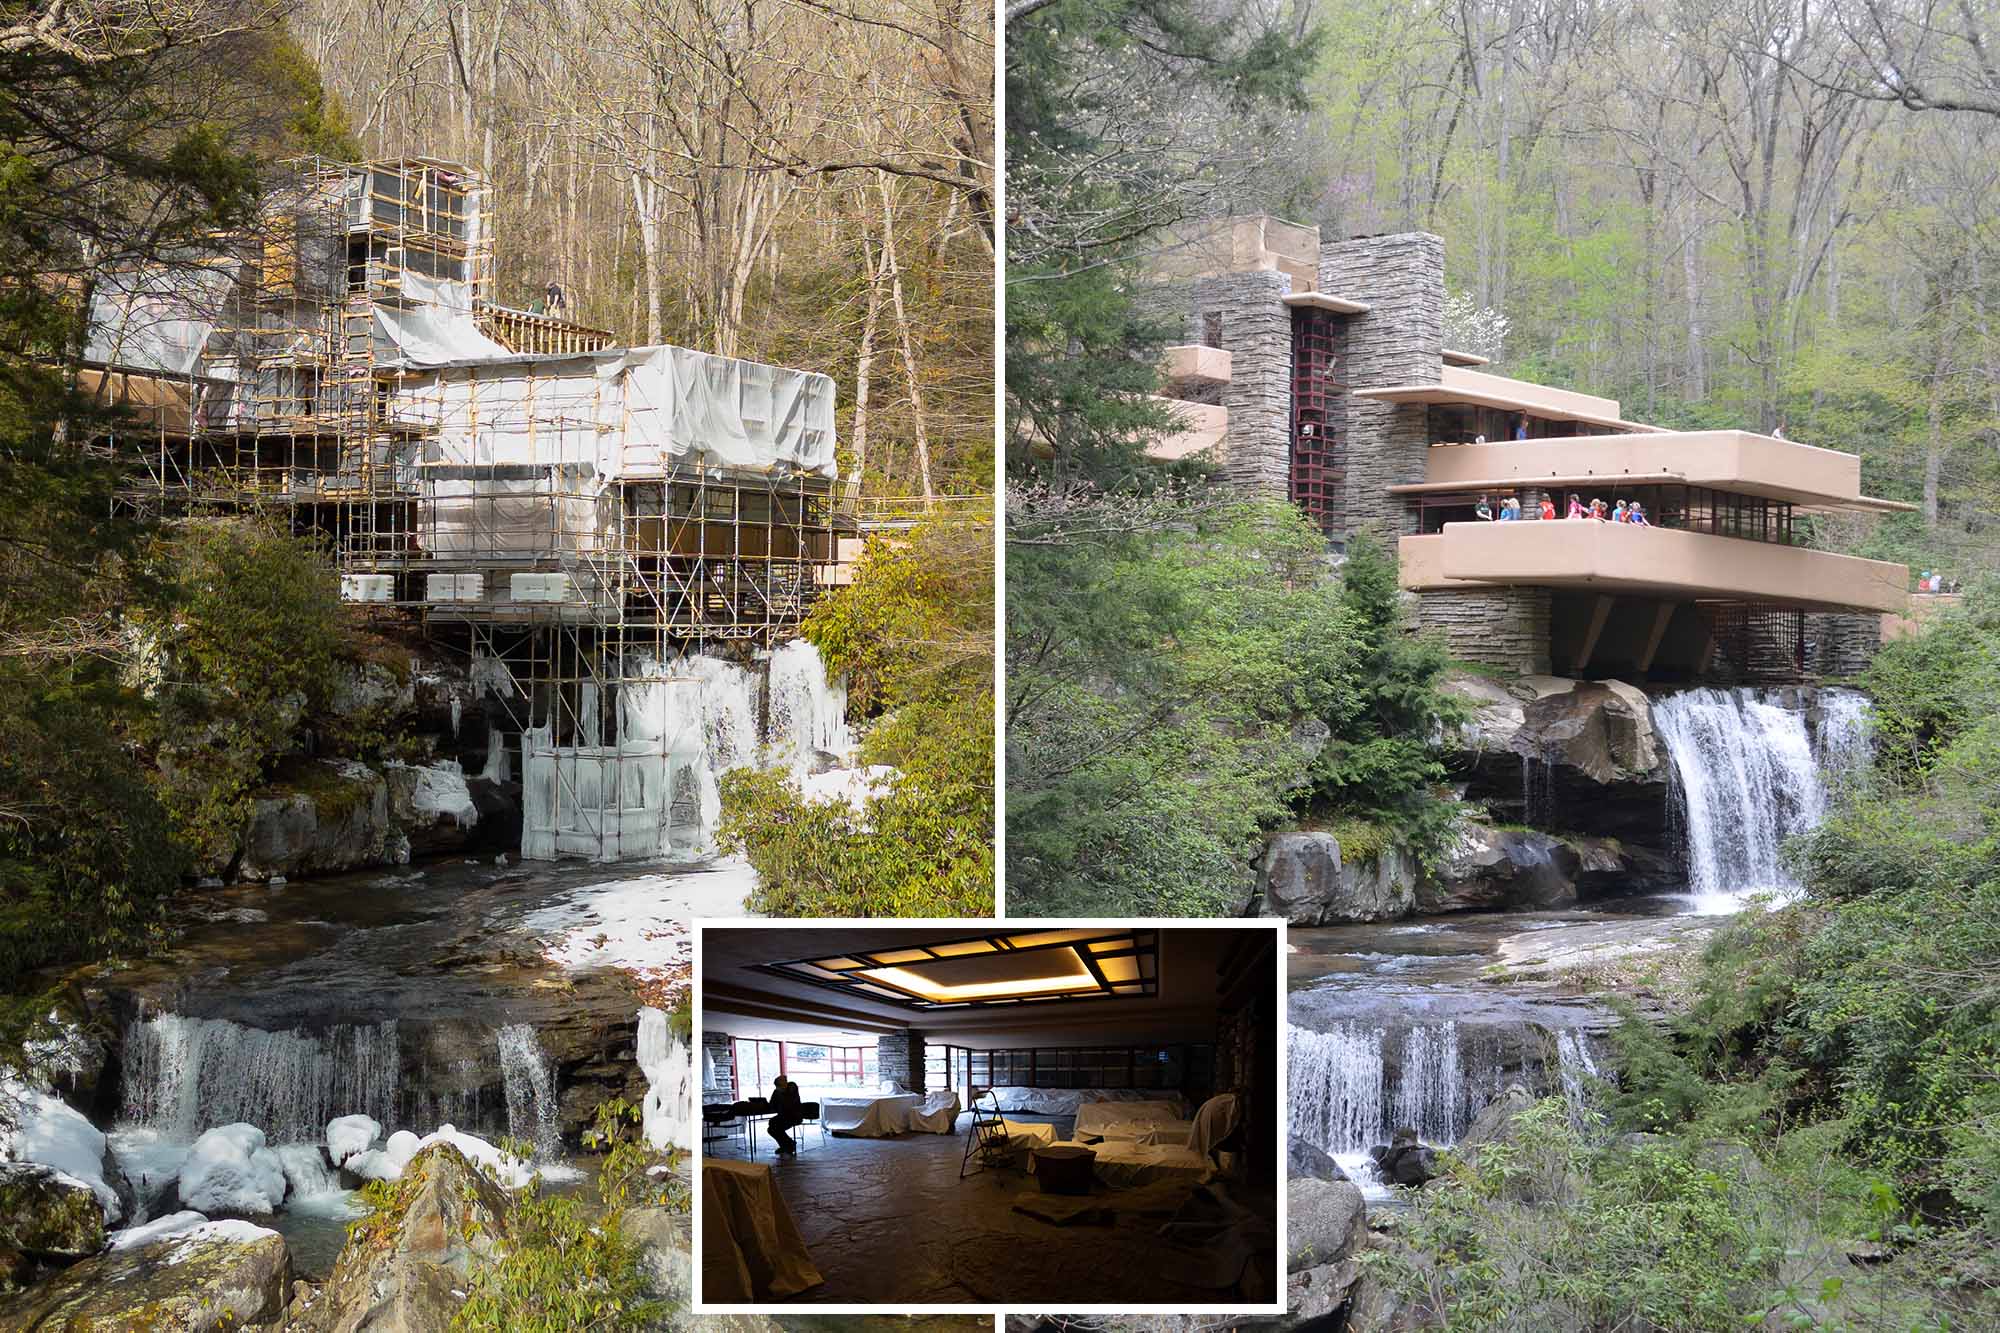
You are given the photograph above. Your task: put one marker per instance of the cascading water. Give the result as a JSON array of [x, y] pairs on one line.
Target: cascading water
[[184, 1075], [807, 713], [1580, 1076], [1354, 1086], [1750, 774], [531, 1091]]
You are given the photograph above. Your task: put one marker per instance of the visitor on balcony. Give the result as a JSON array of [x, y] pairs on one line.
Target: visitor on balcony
[[1597, 509], [1549, 507], [1576, 509], [1510, 509], [1636, 516], [1619, 515], [1483, 511]]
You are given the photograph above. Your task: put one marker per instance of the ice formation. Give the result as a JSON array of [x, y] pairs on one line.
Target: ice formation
[[669, 1070]]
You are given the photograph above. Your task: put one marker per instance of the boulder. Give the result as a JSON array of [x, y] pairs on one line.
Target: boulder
[[668, 1261], [325, 816], [1304, 878], [1326, 1219], [1580, 756], [1306, 1161], [230, 1173], [1407, 1161], [36, 1126], [406, 1271], [432, 806], [1502, 868], [1319, 1292], [47, 1214], [1494, 1123], [214, 1276]]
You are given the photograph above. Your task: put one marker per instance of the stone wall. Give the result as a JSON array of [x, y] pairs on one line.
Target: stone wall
[[1257, 334], [900, 1056], [1842, 643], [1501, 627], [722, 1056], [1399, 341]]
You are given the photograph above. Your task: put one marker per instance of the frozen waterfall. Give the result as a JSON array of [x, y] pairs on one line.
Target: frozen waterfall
[[669, 1070], [1751, 772], [652, 786], [184, 1075]]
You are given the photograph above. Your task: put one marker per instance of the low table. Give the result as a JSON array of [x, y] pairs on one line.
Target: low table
[[1062, 1168]]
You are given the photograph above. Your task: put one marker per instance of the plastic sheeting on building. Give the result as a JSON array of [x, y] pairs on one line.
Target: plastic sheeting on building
[[159, 318]]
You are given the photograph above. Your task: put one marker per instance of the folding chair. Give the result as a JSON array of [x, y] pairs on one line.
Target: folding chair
[[989, 1143]]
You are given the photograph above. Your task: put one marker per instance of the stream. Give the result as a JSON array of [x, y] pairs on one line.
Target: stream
[[1421, 1024], [501, 999]]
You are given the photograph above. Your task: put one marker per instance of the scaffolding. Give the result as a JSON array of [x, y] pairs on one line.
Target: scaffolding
[[580, 519]]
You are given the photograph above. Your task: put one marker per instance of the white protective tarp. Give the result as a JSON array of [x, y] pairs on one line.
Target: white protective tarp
[[1122, 1164], [1219, 1117], [750, 1247], [160, 318], [868, 1117], [936, 1114], [1069, 1101], [1127, 1120]]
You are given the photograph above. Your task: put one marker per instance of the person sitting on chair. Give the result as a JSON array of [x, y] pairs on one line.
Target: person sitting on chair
[[784, 1114]]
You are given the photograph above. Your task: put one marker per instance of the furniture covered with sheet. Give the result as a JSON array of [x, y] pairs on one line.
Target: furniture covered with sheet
[[937, 1113], [750, 1247], [1130, 1120], [1122, 1164], [869, 1117]]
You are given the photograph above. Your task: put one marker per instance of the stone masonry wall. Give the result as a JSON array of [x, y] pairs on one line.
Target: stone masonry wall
[[1842, 643], [1257, 334], [1399, 341], [900, 1056], [1502, 627], [722, 1056]]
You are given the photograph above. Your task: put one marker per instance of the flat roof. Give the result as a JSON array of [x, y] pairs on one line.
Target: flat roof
[[1339, 305], [1449, 394], [1452, 358]]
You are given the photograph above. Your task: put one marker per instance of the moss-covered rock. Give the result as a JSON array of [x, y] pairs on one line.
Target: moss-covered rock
[[407, 1268], [47, 1214], [221, 1275], [318, 817]]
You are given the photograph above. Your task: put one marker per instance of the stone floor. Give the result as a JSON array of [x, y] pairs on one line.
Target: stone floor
[[889, 1221]]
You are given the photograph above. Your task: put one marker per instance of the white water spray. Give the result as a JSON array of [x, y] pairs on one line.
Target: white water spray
[[184, 1075], [1751, 776], [531, 1091]]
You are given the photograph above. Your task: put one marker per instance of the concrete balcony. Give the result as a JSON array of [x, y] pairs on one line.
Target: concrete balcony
[[1725, 460], [1194, 364], [1203, 426], [1662, 564]]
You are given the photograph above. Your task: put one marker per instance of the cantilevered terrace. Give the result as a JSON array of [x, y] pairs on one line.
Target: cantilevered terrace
[[1319, 373]]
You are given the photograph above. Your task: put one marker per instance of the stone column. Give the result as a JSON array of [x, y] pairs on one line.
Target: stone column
[[1257, 334], [722, 1055], [1399, 341], [900, 1056]]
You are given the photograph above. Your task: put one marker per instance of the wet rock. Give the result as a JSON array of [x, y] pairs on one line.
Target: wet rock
[[1407, 1161], [327, 815], [373, 691], [499, 806], [1326, 1219], [47, 1214], [406, 1273], [219, 1275], [1304, 878], [1306, 1161]]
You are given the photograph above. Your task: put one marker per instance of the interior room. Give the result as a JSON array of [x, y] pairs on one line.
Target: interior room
[[990, 1113]]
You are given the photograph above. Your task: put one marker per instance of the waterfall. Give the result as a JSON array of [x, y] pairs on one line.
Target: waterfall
[[1430, 1094], [531, 1091], [307, 1173], [184, 1075], [807, 713], [1750, 775], [1335, 1087], [1580, 1076]]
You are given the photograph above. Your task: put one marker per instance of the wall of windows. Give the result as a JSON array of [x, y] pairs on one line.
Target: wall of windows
[[810, 1064], [1165, 1067]]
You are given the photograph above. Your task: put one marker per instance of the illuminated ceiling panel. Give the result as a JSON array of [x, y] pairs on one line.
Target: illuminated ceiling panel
[[998, 969]]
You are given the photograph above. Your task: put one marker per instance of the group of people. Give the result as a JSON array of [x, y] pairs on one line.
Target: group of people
[[1930, 582], [1510, 510]]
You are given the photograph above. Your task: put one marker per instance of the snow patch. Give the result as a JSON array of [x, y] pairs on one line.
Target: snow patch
[[349, 1135], [229, 1231], [173, 1224], [229, 1170], [639, 926], [36, 1126], [856, 786]]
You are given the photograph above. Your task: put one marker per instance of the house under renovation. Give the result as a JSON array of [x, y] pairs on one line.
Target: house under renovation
[[622, 539], [1320, 373]]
